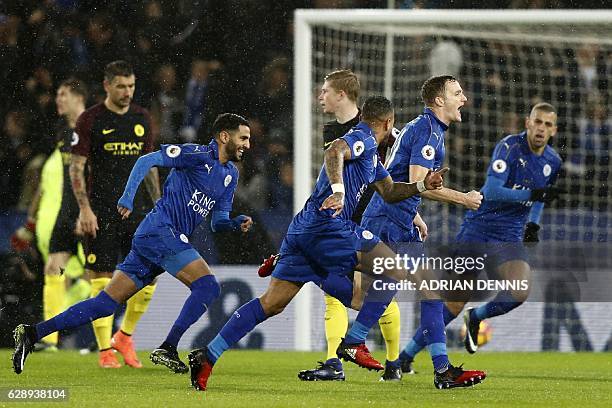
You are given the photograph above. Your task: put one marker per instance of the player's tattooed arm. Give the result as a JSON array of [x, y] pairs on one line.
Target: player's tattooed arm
[[335, 156], [392, 192], [87, 222], [152, 184], [77, 178]]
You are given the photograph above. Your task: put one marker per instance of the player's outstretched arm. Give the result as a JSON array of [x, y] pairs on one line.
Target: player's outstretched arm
[[393, 192], [141, 168], [494, 190], [470, 200]]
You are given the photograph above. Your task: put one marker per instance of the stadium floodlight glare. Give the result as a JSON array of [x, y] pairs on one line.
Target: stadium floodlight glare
[[505, 60]]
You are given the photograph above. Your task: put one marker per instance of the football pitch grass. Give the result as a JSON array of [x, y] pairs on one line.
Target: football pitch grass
[[269, 379]]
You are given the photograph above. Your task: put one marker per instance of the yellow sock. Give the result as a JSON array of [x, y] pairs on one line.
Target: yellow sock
[[136, 306], [74, 268], [336, 324], [54, 293], [390, 328], [77, 292], [102, 327]]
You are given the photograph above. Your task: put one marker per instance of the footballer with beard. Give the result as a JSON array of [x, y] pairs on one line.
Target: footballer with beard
[[201, 183]]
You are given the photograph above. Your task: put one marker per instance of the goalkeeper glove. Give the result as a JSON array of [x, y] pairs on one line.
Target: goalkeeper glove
[[546, 195], [531, 232], [23, 237]]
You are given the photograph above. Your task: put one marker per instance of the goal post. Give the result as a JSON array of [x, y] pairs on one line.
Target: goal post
[[505, 60]]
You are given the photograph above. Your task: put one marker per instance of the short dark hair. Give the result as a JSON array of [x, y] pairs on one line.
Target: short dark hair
[[376, 108], [118, 68], [434, 87], [227, 122], [76, 86]]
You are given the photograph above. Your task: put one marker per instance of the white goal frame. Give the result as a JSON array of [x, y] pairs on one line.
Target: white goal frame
[[384, 19]]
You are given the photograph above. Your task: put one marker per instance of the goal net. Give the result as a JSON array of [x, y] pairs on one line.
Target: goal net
[[506, 61]]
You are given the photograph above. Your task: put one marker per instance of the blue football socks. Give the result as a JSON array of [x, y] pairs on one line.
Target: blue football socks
[[374, 305], [79, 314], [432, 323], [501, 304], [204, 291], [417, 343], [239, 325]]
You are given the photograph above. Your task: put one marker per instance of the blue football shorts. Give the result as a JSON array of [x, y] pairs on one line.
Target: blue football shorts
[[475, 242], [311, 257], [155, 251], [402, 240]]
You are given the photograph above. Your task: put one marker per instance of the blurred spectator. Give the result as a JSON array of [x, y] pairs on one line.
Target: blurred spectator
[[274, 93], [282, 191], [593, 142], [39, 101], [273, 106], [492, 86], [106, 42], [252, 185], [595, 128], [587, 67], [40, 34], [198, 99], [75, 44], [15, 152], [166, 107], [259, 150], [11, 61], [511, 123], [152, 47], [153, 34]]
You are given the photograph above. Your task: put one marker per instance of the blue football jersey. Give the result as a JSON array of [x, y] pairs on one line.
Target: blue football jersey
[[362, 169], [519, 168], [421, 142], [197, 185]]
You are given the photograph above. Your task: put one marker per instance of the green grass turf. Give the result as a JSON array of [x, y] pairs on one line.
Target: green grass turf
[[269, 379]]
